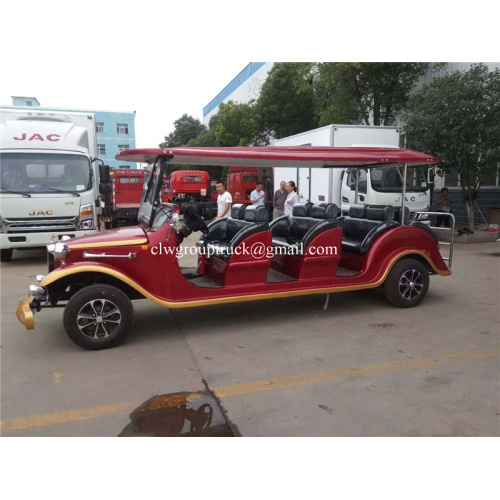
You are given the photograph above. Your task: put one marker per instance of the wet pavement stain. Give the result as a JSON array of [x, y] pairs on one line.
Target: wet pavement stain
[[179, 414]]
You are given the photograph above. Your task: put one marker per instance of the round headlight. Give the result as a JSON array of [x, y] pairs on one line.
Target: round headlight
[[61, 250], [175, 221]]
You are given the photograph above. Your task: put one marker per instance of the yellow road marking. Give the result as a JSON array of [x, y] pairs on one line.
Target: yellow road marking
[[62, 417], [258, 386], [359, 371]]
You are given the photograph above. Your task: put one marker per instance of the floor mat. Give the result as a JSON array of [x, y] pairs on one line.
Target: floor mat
[[274, 276], [204, 281], [343, 272]]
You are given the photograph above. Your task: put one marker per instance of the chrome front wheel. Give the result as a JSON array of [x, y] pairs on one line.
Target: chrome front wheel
[[98, 317]]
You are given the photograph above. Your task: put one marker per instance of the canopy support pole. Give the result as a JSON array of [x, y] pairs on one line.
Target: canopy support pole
[[356, 186], [403, 195]]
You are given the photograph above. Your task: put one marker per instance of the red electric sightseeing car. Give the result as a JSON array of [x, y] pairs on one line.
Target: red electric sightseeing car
[[242, 257]]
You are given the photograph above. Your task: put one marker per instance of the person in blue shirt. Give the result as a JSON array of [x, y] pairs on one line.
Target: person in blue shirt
[[257, 196]]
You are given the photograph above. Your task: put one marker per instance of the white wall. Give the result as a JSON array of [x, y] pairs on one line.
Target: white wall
[[248, 90]]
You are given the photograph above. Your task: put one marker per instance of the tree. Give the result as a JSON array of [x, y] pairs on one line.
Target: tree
[[457, 117], [286, 102], [236, 124], [186, 128], [364, 92]]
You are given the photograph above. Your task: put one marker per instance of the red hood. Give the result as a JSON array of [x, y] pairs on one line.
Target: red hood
[[113, 237]]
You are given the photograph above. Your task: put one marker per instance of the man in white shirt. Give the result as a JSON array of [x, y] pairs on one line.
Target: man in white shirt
[[257, 196], [224, 200]]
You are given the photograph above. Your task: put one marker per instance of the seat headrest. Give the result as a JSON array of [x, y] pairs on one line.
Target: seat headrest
[[238, 211], [318, 212], [256, 213], [302, 209], [357, 211], [397, 212], [380, 212], [331, 211]]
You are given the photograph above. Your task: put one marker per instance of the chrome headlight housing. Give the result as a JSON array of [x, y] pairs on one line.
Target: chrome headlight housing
[[175, 221], [59, 250]]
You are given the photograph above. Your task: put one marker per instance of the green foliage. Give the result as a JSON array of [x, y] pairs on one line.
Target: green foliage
[[457, 117], [286, 102], [236, 124], [355, 92], [186, 128]]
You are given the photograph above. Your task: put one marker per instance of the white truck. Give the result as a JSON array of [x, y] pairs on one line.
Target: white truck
[[376, 186], [48, 177]]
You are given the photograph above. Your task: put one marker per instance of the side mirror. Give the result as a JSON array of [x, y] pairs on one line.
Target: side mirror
[[104, 172], [431, 176]]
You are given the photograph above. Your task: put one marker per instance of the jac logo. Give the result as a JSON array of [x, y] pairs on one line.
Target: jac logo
[[38, 137], [41, 212]]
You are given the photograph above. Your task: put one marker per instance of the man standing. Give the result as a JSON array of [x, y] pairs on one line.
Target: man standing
[[257, 196], [279, 201], [224, 200]]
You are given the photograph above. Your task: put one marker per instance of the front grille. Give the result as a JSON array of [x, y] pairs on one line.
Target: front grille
[[40, 225]]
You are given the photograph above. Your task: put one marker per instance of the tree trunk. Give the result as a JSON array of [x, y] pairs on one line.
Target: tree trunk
[[376, 109], [470, 213]]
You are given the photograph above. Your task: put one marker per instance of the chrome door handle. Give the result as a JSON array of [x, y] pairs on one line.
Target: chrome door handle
[[88, 255]]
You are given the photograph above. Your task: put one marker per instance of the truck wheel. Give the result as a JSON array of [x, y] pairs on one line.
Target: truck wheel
[[107, 225], [114, 224], [6, 255], [407, 283], [98, 317]]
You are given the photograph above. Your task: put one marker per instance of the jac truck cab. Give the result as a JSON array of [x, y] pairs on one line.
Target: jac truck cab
[[48, 178]]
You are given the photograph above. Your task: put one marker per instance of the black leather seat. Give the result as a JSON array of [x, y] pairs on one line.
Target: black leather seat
[[364, 225], [227, 233], [306, 222]]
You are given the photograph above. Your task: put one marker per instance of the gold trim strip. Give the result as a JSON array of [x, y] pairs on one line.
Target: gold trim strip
[[120, 243], [55, 275]]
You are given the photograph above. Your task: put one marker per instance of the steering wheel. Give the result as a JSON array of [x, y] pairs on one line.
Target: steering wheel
[[194, 221]]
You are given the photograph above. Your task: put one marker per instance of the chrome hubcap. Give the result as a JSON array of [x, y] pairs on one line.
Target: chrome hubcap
[[99, 318], [411, 284]]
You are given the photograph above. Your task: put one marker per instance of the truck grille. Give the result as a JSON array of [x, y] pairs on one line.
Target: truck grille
[[40, 225]]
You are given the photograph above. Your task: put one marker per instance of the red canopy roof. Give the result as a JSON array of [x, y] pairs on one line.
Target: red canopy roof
[[305, 156]]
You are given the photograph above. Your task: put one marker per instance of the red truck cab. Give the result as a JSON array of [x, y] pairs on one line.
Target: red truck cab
[[242, 181]]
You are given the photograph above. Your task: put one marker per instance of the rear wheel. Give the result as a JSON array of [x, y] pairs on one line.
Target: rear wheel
[[98, 317], [6, 255], [407, 283]]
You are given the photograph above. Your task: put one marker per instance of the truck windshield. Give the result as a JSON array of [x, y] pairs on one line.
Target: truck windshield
[[390, 179], [44, 173]]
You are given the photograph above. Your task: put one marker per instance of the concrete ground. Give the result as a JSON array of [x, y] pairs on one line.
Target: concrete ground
[[279, 368]]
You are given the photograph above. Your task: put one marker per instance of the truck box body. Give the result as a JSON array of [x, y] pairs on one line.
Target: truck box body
[[49, 185], [335, 185]]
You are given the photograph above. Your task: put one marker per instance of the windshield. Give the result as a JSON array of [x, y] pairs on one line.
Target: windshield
[[44, 173], [390, 179]]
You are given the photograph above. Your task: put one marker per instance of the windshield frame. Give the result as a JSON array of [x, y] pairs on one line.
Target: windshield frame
[[409, 188], [153, 185], [52, 189]]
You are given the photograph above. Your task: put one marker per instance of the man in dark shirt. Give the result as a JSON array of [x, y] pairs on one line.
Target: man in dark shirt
[[279, 201]]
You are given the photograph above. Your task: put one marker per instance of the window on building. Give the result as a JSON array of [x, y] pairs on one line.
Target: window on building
[[124, 166], [101, 149], [123, 147], [490, 179], [122, 128], [99, 127], [451, 179]]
